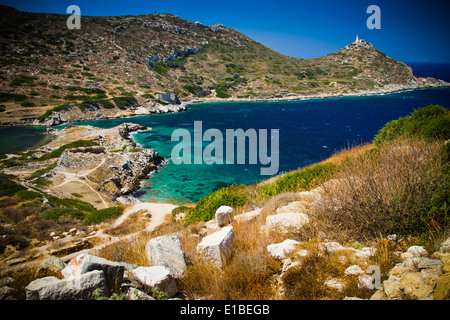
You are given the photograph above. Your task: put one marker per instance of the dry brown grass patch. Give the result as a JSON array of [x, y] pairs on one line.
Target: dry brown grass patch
[[377, 192]]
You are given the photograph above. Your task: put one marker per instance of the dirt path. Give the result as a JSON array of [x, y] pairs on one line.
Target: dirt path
[[81, 177], [158, 211]]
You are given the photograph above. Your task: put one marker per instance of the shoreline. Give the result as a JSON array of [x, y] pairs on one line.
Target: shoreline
[[293, 97]]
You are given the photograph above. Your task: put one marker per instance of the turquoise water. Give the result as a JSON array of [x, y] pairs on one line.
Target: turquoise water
[[309, 131]]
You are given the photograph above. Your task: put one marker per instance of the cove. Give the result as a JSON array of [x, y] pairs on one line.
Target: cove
[[309, 131]]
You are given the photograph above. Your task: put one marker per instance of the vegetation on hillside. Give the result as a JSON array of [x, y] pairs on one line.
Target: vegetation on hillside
[[157, 53], [35, 214]]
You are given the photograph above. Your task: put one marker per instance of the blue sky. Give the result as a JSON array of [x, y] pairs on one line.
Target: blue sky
[[411, 31]]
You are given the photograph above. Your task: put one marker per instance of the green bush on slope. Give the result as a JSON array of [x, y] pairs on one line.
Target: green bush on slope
[[432, 122]]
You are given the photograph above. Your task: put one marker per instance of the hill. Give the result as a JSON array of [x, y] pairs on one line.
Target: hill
[[116, 66]]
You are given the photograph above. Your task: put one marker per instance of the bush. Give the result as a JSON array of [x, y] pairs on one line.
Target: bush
[[48, 113], [8, 96], [72, 204], [56, 214], [22, 79], [99, 216], [432, 122], [8, 187], [124, 102], [27, 104], [233, 196], [28, 195], [159, 68]]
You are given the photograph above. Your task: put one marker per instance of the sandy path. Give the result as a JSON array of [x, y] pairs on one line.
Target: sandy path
[[158, 211]]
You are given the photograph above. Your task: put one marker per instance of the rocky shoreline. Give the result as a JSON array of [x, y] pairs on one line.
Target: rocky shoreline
[[105, 173], [62, 117]]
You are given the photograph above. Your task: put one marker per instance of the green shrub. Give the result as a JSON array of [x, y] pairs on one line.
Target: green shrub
[[8, 187], [22, 79], [41, 172], [72, 204], [28, 195], [124, 102], [300, 180], [27, 104], [180, 209], [14, 97], [62, 107], [56, 214], [233, 196], [99, 216], [75, 144], [159, 68], [72, 97]]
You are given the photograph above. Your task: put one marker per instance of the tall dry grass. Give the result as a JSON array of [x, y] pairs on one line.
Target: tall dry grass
[[390, 189], [248, 273]]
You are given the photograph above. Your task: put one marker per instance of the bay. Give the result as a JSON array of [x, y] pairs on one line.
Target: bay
[[309, 131]]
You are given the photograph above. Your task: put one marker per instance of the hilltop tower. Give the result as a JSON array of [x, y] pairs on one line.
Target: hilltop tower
[[358, 40]]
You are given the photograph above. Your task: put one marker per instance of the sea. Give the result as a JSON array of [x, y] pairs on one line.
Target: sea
[[308, 131]]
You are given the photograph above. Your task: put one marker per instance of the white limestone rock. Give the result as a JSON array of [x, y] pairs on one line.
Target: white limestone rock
[[79, 287], [155, 277], [286, 222], [166, 251], [283, 249], [224, 215], [217, 246]]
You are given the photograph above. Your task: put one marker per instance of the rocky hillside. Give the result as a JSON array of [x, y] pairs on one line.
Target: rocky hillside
[[116, 66]]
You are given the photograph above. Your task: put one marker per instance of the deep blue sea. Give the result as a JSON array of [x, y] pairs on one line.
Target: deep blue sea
[[309, 131]]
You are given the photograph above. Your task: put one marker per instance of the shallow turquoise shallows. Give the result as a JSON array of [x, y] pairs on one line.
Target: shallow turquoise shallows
[[309, 131]]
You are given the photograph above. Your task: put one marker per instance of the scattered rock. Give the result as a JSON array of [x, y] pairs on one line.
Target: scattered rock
[[365, 253], [84, 263], [286, 222], [354, 270], [247, 216], [417, 251], [445, 246], [53, 265], [335, 283], [442, 291], [166, 251], [224, 215], [416, 286], [155, 277], [217, 246], [79, 287], [392, 288], [426, 263], [7, 293], [136, 294]]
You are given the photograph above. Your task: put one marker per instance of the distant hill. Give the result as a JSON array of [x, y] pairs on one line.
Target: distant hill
[[43, 64]]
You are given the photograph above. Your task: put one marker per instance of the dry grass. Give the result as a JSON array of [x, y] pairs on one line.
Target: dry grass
[[130, 250], [247, 275], [352, 151], [381, 192], [134, 223]]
